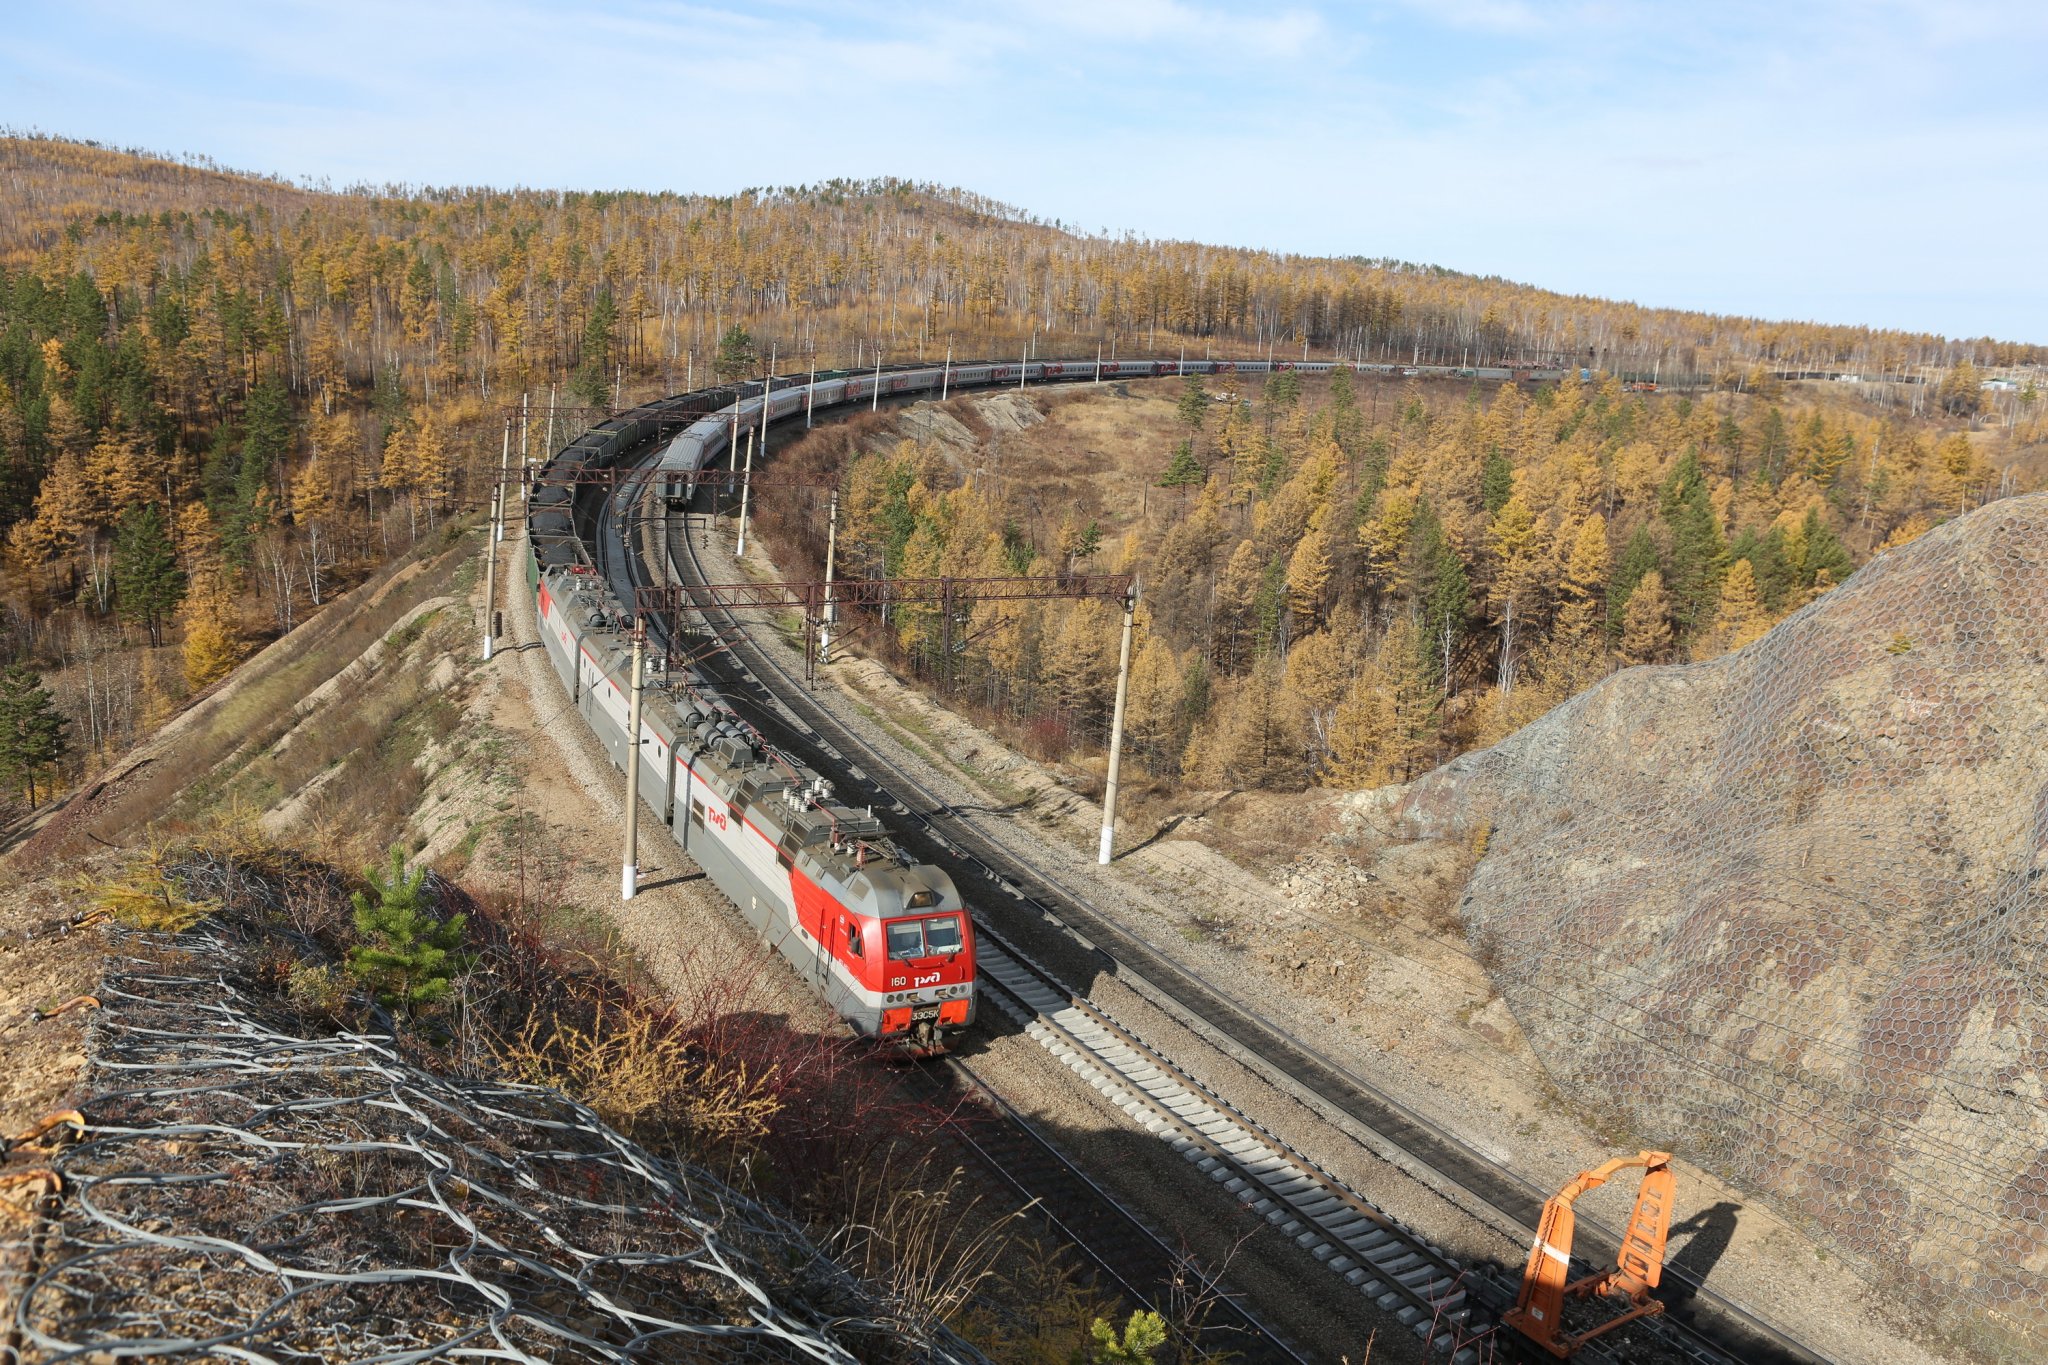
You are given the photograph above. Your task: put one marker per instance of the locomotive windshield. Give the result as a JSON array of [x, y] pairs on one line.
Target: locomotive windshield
[[938, 936]]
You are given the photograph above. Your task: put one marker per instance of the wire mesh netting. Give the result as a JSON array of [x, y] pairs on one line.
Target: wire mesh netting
[[242, 1192], [1783, 912]]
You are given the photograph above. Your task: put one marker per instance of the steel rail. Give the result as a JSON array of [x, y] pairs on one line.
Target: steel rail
[[1275, 1344], [1400, 1272], [1725, 1332], [613, 549]]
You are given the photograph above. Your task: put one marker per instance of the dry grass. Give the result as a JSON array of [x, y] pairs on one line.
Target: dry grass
[[921, 1236], [635, 1069], [805, 1118], [145, 896]]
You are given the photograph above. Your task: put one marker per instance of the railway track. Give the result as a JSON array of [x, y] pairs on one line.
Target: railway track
[[1449, 1305], [1404, 1275], [1128, 1253], [1422, 1287]]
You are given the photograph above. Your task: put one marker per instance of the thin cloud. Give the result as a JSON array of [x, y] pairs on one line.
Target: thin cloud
[[1764, 158]]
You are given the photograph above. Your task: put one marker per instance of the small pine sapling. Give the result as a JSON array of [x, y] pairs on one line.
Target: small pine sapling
[[1143, 1335], [408, 958]]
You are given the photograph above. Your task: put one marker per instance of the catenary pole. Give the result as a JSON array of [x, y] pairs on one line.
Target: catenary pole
[[946, 375], [811, 394], [629, 876], [746, 487], [525, 445], [831, 557], [498, 503], [876, 404], [1116, 730]]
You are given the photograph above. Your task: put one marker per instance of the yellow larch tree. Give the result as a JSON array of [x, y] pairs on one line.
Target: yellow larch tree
[[1741, 616], [213, 632], [1319, 671], [1646, 621], [1308, 569], [1517, 565], [118, 479], [1584, 584], [1377, 731], [1153, 716]]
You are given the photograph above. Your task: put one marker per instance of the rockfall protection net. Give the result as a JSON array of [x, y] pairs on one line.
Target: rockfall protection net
[[1783, 913], [245, 1193]]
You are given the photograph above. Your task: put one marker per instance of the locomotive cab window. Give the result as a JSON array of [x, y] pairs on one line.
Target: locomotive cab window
[[906, 938], [853, 939], [942, 935], [914, 938]]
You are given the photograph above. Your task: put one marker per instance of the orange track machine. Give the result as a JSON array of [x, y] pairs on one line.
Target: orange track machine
[[1539, 1309]]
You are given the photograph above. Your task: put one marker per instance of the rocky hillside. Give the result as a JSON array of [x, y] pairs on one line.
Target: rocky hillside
[[1784, 913]]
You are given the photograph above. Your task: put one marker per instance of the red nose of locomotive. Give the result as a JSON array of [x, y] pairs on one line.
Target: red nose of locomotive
[[928, 978]]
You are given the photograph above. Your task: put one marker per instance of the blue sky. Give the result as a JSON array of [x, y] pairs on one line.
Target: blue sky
[[1875, 162]]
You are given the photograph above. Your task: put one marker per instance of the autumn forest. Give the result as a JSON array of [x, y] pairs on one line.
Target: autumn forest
[[225, 398]]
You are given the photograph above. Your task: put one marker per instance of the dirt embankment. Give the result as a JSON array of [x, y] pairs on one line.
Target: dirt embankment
[[1784, 912]]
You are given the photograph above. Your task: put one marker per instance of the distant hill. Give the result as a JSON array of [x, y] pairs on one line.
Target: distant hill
[[508, 280]]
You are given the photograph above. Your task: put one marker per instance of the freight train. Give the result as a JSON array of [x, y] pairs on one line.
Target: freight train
[[883, 939]]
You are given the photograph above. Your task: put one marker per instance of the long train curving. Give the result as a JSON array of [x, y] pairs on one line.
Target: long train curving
[[884, 940]]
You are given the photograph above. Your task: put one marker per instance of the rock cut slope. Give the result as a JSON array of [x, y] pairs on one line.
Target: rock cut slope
[[1787, 913]]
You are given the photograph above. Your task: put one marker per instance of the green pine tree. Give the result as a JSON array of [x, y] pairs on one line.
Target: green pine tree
[[592, 381], [1824, 553], [266, 437], [1143, 1334], [1184, 471], [408, 958], [1496, 481], [1776, 576], [1773, 444], [1730, 439], [1638, 558], [148, 584], [1283, 389], [736, 358], [32, 738], [1193, 407], [1699, 553], [1444, 590], [1347, 423]]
